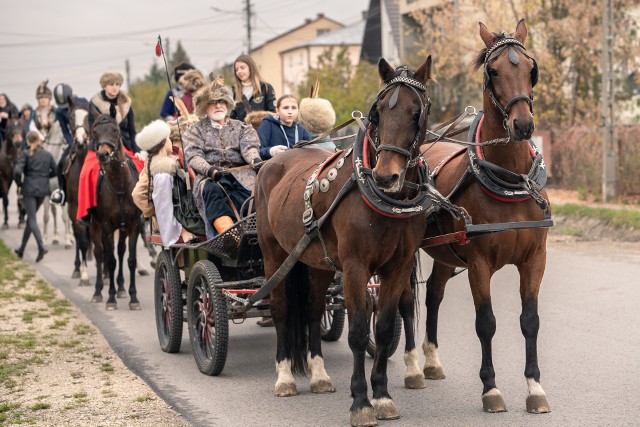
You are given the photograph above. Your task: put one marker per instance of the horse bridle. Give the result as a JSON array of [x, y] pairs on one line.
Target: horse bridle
[[425, 109], [498, 48]]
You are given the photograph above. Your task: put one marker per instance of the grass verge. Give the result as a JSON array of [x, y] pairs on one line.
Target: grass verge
[[626, 218]]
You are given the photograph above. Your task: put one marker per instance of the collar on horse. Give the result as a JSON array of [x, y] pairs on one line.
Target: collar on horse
[[526, 186]]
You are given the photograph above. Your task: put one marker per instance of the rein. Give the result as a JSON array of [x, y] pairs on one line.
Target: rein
[[103, 173]]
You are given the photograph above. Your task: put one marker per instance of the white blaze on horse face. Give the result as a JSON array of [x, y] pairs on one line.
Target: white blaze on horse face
[[80, 132]]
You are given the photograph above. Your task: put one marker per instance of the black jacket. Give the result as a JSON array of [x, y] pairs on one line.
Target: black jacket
[[101, 104], [33, 173], [266, 101]]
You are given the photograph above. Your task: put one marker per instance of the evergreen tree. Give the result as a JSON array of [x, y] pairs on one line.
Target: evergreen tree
[[179, 56]]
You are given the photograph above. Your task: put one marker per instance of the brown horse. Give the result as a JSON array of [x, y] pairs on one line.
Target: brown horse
[[375, 230], [115, 212], [8, 156], [79, 120], [498, 181]]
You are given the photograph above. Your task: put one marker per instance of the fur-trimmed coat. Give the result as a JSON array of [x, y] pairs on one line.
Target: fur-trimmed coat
[[206, 145], [120, 108], [159, 204]]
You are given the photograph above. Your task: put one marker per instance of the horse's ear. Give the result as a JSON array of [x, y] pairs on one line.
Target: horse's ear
[[385, 70], [521, 31], [487, 37], [423, 73]]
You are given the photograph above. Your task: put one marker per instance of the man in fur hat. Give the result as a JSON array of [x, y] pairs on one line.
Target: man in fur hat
[[168, 110], [214, 144]]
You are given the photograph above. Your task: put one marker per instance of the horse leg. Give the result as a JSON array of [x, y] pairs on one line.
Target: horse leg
[[76, 262], [122, 246], [289, 305], [480, 281], [440, 275], [134, 304], [98, 254], [530, 279], [355, 279], [112, 303], [45, 220], [54, 219], [413, 377], [319, 382], [5, 208], [68, 229]]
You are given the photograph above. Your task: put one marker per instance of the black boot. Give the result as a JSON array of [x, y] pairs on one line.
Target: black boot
[[41, 253], [86, 220], [19, 252]]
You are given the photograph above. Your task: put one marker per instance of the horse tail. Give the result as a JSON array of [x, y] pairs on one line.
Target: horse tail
[[297, 286]]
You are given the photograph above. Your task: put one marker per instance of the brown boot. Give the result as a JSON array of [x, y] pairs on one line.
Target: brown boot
[[222, 223]]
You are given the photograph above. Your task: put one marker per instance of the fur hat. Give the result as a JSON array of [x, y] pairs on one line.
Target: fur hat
[[191, 81], [254, 118], [153, 134], [181, 69], [316, 114], [111, 77], [43, 91], [212, 92]]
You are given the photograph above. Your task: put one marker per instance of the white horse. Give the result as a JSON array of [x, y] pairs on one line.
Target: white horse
[[56, 144]]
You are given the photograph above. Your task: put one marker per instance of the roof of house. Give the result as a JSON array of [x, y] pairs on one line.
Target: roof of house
[[349, 35], [308, 21]]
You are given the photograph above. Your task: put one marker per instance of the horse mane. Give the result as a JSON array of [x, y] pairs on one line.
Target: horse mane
[[478, 61]]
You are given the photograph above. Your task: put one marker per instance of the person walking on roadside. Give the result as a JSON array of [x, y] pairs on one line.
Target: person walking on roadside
[[32, 172]]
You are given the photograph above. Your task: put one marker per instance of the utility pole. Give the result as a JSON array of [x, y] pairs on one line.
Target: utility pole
[[248, 10], [127, 70], [609, 158]]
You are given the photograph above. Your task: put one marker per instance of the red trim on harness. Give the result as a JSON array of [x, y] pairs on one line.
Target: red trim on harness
[[457, 237], [329, 160], [480, 155]]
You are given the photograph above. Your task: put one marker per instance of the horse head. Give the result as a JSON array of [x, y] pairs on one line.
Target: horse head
[[106, 134], [399, 122], [509, 77], [15, 136], [79, 119]]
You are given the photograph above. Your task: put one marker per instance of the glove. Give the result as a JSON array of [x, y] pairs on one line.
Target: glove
[[215, 173], [274, 151]]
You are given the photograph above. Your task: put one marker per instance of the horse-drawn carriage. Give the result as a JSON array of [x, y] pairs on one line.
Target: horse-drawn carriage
[[398, 207], [208, 285]]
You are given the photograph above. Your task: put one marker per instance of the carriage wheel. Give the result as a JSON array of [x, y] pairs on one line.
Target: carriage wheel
[[207, 318], [332, 323], [397, 328], [168, 303]]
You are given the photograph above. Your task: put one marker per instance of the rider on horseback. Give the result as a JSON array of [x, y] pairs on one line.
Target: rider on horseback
[[43, 117], [63, 95], [110, 100]]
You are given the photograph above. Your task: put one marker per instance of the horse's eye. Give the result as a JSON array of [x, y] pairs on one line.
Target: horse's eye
[[493, 72], [415, 117]]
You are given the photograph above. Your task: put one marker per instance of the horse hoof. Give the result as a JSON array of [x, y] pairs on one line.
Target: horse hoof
[[414, 382], [121, 294], [286, 390], [75, 275], [385, 409], [5, 226], [86, 282], [537, 404], [433, 373], [67, 245], [96, 298], [322, 386], [55, 242], [153, 264], [112, 306], [492, 401], [134, 306], [363, 417], [143, 272]]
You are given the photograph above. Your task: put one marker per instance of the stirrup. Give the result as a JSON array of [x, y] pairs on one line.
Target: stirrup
[[57, 197]]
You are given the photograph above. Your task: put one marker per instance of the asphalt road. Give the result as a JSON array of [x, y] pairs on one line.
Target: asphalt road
[[589, 347]]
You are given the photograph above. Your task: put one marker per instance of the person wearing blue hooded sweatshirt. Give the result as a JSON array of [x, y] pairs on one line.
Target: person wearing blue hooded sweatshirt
[[280, 132]]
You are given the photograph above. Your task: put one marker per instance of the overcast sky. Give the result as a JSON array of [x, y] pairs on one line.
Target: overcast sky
[[75, 41]]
